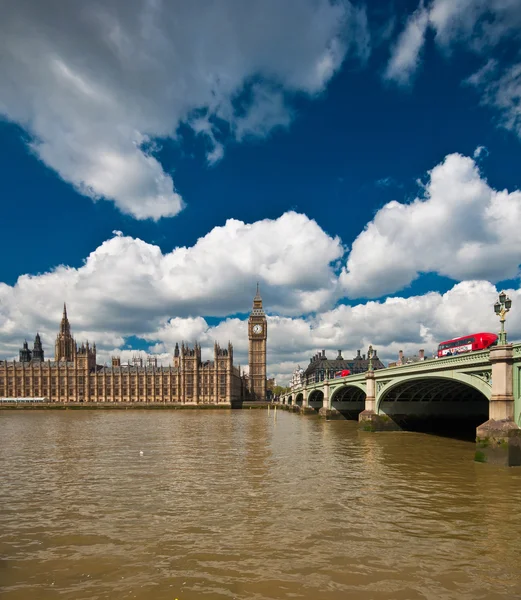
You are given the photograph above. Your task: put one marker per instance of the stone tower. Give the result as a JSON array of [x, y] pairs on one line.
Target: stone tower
[[25, 353], [65, 347], [257, 335], [38, 355]]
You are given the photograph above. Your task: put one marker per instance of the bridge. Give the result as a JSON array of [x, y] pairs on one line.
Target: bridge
[[481, 388]]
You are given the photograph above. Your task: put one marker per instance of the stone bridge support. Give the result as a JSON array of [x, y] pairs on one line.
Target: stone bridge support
[[369, 420], [305, 408], [498, 440], [327, 411]]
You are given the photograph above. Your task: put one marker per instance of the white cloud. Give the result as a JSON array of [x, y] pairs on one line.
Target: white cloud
[[94, 83], [405, 56], [395, 324], [501, 89], [480, 151], [127, 286], [461, 228], [479, 26]]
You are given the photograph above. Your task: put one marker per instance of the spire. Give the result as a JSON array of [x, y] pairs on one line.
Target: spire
[[38, 349], [65, 347], [257, 304], [25, 353], [65, 327]]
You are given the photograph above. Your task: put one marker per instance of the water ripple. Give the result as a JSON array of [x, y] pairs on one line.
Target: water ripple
[[241, 504]]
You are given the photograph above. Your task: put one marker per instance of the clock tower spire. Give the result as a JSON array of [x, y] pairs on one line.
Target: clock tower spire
[[257, 336]]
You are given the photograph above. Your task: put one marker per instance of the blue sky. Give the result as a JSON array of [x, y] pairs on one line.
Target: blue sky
[[402, 89]]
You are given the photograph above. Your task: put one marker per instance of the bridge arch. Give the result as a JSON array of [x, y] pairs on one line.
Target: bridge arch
[[299, 400], [316, 399], [349, 400], [453, 404], [289, 400]]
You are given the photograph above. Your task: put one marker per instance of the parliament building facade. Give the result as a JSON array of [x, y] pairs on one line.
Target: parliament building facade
[[74, 375]]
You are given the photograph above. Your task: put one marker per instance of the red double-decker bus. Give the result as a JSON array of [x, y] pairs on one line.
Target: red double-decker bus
[[343, 373], [469, 343]]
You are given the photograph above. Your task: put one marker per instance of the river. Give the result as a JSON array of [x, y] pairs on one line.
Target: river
[[248, 504]]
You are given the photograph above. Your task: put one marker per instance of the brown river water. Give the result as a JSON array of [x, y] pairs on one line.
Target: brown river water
[[249, 505]]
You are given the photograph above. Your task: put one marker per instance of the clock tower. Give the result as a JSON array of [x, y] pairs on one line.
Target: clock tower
[[257, 335]]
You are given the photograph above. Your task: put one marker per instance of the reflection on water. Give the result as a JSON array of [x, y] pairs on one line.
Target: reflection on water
[[245, 505]]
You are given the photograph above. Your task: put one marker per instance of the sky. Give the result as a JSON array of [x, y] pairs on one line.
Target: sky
[[360, 160]]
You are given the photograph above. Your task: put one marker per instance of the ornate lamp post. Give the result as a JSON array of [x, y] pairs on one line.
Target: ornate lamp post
[[370, 357], [501, 307]]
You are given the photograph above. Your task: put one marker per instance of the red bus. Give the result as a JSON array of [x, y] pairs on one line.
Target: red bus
[[343, 373], [469, 343]]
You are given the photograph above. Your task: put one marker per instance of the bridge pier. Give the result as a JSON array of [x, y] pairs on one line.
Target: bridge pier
[[498, 440], [368, 419], [306, 409], [327, 411]]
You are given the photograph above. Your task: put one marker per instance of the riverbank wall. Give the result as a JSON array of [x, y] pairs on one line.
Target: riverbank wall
[[130, 406]]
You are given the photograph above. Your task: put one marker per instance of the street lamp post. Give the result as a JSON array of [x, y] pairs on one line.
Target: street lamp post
[[501, 307], [370, 357]]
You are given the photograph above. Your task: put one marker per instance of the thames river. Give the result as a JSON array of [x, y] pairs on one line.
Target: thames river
[[247, 504]]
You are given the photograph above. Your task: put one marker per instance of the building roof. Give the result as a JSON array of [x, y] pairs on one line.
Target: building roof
[[358, 364]]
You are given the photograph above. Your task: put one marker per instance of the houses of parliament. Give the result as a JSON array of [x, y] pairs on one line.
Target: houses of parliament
[[74, 376]]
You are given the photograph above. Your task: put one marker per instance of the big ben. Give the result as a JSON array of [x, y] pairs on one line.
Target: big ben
[[257, 335]]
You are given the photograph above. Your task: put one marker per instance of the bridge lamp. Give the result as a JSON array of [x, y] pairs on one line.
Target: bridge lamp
[[501, 307]]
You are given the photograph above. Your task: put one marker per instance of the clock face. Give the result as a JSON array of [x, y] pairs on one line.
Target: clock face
[[257, 329]]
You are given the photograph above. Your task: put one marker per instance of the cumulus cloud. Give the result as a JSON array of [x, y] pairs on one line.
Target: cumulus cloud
[[395, 324], [95, 83], [461, 228], [129, 287], [478, 26]]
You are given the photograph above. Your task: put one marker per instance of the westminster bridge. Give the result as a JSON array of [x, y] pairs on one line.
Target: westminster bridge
[[481, 389]]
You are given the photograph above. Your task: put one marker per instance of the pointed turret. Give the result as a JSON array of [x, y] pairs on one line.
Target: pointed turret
[[38, 349], [65, 327], [25, 353], [65, 349]]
